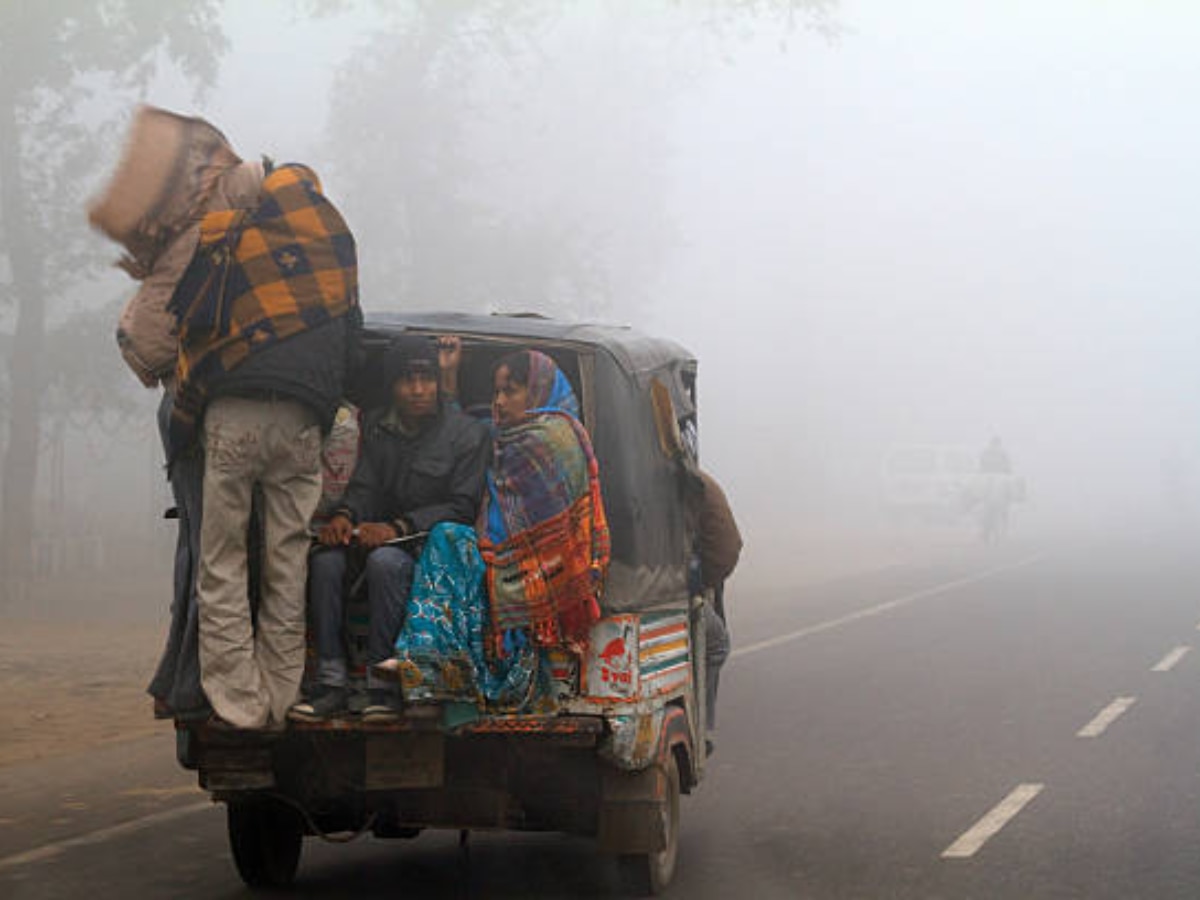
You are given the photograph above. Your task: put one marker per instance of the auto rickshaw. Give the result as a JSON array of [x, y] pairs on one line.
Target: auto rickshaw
[[625, 737]]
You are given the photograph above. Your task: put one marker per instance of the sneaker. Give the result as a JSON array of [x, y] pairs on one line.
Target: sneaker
[[326, 703], [388, 670], [382, 707]]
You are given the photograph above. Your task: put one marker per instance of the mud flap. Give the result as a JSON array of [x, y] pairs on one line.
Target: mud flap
[[233, 761], [632, 811], [236, 769]]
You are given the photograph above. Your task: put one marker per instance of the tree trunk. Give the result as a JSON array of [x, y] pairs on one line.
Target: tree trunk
[[18, 472]]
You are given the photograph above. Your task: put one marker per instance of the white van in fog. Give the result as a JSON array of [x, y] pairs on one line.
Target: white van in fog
[[927, 481]]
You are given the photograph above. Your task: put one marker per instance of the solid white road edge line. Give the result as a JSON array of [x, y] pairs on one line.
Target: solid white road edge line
[[989, 826], [52, 850], [881, 608], [1168, 662], [1106, 717]]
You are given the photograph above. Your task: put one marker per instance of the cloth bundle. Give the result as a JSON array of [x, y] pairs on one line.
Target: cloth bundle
[[170, 175], [339, 455], [441, 652]]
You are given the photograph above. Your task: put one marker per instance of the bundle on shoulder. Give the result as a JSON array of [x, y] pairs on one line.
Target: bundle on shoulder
[[174, 170]]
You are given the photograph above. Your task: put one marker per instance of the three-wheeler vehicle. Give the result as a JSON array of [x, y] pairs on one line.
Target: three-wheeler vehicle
[[624, 736]]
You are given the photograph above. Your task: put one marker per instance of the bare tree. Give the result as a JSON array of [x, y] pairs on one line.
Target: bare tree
[[494, 155], [62, 65]]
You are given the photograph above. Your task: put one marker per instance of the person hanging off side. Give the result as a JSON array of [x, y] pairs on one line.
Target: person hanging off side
[[268, 323], [174, 171], [720, 546], [249, 316]]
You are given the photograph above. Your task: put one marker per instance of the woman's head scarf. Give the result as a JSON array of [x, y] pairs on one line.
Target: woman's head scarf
[[548, 387]]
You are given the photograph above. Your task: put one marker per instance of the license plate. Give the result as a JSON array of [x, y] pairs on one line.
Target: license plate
[[405, 761]]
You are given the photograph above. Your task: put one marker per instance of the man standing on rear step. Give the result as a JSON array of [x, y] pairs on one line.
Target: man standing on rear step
[[422, 463], [268, 318]]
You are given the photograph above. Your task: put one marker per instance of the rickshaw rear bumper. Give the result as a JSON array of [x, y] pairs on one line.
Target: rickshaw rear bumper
[[521, 774]]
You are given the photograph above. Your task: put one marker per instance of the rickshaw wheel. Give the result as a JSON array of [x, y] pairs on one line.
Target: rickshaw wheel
[[649, 874], [265, 836]]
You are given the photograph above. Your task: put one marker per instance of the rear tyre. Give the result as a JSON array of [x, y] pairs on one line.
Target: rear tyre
[[265, 836], [649, 874]]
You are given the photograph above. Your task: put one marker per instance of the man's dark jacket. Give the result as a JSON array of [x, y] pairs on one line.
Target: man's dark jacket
[[720, 540], [435, 475], [311, 368]]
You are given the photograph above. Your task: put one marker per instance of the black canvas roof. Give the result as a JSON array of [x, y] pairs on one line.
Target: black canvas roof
[[635, 352], [646, 488]]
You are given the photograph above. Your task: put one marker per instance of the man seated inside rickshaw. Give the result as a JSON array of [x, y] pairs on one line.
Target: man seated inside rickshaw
[[421, 464], [543, 553]]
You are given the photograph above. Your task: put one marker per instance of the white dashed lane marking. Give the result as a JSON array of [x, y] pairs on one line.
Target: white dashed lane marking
[[1168, 662], [989, 826], [1106, 717], [881, 608]]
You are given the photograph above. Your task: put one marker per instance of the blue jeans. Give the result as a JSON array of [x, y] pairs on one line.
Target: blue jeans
[[716, 651], [389, 572]]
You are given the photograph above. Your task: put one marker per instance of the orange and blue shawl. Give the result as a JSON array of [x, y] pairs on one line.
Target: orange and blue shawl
[[542, 527]]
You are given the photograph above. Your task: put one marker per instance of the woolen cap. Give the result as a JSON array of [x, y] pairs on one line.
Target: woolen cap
[[410, 353]]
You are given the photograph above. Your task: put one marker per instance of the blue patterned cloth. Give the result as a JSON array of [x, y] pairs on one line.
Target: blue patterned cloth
[[441, 648]]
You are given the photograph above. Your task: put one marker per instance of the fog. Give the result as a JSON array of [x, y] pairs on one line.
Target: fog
[[957, 221], [876, 224]]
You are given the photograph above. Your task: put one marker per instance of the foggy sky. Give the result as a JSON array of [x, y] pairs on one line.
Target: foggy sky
[[961, 219], [954, 221]]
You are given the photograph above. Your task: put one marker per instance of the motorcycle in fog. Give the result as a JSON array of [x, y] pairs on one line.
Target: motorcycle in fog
[[989, 496]]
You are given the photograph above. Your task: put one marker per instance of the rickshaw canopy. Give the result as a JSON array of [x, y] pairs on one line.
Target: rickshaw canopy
[[638, 396]]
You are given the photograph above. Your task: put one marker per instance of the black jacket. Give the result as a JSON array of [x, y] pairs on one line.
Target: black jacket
[[436, 475], [311, 367]]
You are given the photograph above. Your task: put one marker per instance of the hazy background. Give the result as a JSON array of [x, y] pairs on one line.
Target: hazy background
[[876, 223]]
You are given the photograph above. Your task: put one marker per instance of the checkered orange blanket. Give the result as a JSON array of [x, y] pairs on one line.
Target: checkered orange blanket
[[259, 277]]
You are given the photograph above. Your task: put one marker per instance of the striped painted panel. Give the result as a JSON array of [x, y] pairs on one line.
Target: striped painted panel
[[663, 658]]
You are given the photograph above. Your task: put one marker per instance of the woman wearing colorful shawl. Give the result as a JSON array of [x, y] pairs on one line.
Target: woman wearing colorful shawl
[[542, 529], [544, 538]]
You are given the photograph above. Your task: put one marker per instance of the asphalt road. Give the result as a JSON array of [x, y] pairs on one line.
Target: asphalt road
[[912, 733]]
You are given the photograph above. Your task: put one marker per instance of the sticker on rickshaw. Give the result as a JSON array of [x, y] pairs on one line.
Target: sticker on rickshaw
[[612, 666]]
